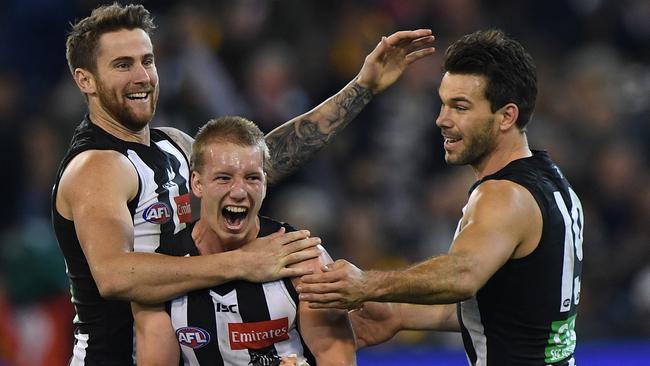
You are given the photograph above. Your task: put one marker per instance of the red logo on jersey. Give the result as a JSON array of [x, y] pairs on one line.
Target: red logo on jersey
[[259, 334], [183, 208], [157, 213]]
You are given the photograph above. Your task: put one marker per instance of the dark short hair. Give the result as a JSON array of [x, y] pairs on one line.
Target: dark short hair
[[231, 129], [510, 70], [83, 39]]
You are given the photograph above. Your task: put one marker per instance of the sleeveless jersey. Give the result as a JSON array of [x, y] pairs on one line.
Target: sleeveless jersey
[[239, 322], [525, 314], [104, 328]]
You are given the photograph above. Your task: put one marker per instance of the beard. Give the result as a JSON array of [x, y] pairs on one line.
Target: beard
[[122, 112], [477, 146]]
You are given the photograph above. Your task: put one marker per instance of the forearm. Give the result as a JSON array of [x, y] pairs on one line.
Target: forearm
[[295, 142], [150, 278], [440, 280], [428, 317]]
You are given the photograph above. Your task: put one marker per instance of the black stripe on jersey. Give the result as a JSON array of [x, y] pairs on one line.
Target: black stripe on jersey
[[467, 340], [249, 297], [294, 296], [202, 315]]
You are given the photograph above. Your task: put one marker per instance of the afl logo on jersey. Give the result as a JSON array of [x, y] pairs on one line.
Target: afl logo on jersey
[[192, 337], [158, 213]]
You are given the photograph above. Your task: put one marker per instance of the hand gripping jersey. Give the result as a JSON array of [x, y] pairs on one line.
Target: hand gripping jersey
[[526, 313], [104, 328], [238, 323]]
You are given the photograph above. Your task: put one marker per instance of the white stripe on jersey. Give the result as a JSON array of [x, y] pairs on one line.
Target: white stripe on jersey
[[146, 235], [184, 171], [179, 319], [79, 350], [472, 321], [232, 357], [276, 311]]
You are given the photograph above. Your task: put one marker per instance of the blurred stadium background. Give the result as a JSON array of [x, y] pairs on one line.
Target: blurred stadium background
[[380, 195]]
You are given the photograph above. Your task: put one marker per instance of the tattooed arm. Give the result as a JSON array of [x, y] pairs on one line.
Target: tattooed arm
[[295, 142]]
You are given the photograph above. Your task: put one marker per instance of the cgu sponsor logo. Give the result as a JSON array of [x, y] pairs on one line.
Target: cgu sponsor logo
[[259, 334], [193, 337], [183, 208], [157, 213]]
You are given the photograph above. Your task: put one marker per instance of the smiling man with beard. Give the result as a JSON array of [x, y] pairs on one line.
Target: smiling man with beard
[[122, 187]]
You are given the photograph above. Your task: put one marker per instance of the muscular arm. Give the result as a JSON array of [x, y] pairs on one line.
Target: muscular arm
[[295, 142], [501, 221], [327, 332], [104, 227]]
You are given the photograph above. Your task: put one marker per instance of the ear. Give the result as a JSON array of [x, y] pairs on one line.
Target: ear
[[509, 114], [195, 182], [85, 81]]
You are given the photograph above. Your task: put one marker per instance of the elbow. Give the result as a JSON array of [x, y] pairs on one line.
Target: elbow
[[110, 286], [466, 287]]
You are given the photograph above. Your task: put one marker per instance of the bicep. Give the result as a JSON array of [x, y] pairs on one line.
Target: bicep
[[99, 209], [496, 222]]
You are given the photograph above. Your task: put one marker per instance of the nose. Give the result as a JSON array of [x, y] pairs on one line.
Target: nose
[[237, 190], [443, 118], [141, 74]]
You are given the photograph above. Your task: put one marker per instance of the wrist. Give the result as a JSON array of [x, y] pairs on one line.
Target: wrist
[[364, 87]]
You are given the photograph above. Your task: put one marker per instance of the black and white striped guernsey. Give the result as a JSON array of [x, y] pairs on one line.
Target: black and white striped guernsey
[[104, 328], [526, 312], [239, 322]]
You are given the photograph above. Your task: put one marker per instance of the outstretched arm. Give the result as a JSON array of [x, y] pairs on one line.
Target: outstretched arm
[[104, 226], [296, 141], [376, 322], [499, 217]]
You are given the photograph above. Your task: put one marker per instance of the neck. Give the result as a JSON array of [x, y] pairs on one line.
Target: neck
[[108, 123], [508, 149]]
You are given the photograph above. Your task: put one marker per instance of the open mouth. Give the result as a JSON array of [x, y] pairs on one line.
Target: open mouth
[[234, 216]]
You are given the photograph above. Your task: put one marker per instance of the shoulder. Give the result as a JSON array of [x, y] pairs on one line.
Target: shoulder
[[183, 140], [502, 195], [94, 171], [269, 226]]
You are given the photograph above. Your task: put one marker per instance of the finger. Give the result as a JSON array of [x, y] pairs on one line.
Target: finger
[[419, 43], [381, 48], [324, 288], [414, 56], [301, 256], [295, 272], [398, 37], [328, 305], [299, 245], [322, 278], [292, 236]]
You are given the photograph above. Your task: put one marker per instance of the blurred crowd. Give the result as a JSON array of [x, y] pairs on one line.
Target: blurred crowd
[[380, 195]]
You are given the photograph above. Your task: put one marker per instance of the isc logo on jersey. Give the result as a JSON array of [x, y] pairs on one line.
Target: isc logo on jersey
[[192, 337], [157, 213]]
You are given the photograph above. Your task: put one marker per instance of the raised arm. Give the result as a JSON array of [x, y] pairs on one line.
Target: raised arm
[[502, 221], [327, 332], [104, 227], [295, 142]]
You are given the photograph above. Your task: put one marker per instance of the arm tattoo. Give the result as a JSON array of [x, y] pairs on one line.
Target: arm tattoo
[[294, 143]]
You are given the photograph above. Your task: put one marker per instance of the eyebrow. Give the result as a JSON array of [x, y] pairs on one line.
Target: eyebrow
[[131, 58]]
